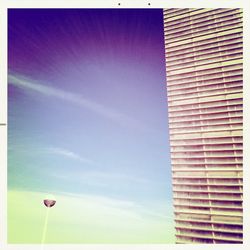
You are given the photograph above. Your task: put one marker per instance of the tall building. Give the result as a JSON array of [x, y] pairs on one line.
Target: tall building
[[204, 85]]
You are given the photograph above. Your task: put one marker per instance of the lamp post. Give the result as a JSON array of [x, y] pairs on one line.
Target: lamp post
[[49, 202]]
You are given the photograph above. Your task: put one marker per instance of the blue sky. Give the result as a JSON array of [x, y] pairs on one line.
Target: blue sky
[[88, 109]]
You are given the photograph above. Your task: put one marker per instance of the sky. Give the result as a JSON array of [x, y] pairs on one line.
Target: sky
[[87, 123]]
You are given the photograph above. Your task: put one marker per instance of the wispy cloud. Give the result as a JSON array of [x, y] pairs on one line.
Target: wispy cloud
[[73, 98], [107, 178], [42, 150], [68, 154], [122, 206]]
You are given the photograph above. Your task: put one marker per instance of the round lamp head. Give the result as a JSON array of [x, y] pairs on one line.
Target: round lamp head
[[49, 201]]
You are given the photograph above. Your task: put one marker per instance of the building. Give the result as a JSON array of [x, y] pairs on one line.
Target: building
[[204, 85]]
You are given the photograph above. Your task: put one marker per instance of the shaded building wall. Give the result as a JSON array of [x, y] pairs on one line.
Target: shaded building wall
[[204, 85]]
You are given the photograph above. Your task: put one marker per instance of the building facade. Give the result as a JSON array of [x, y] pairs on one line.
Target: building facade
[[204, 85]]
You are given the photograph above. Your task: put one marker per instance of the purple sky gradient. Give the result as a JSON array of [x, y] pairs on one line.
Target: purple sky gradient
[[87, 97]]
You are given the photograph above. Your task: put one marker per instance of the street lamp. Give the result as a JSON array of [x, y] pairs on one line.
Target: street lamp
[[48, 202]]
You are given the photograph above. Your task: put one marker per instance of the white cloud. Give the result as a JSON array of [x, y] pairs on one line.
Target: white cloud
[[73, 98], [121, 206], [106, 178], [68, 154]]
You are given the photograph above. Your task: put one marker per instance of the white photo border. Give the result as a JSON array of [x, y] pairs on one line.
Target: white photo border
[[6, 4]]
